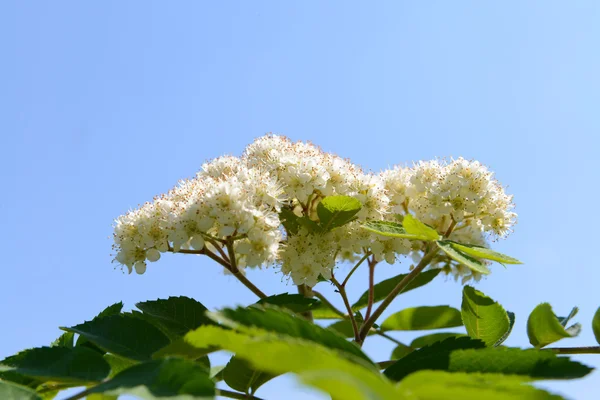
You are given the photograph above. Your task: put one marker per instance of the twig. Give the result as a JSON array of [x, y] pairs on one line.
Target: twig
[[397, 290], [388, 337], [575, 350], [235, 395], [306, 292], [241, 277], [324, 300], [367, 254], [372, 264], [342, 292]]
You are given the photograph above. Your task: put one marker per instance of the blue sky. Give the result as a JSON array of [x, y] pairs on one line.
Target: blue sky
[[105, 104]]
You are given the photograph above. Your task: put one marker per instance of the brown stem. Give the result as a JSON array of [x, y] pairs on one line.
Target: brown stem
[[238, 274], [342, 290], [388, 337], [367, 254], [324, 300], [575, 350], [235, 395], [372, 264], [368, 324]]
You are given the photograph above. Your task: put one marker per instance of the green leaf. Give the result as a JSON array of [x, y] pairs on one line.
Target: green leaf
[[462, 258], [544, 327], [118, 364], [448, 356], [391, 229], [430, 339], [111, 310], [296, 303], [435, 357], [178, 314], [415, 227], [400, 351], [312, 362], [439, 385], [484, 252], [383, 288], [336, 211], [422, 318], [124, 335], [64, 340], [484, 318], [272, 319], [289, 220], [324, 312], [241, 376], [164, 379], [181, 348], [12, 391], [565, 320], [596, 325], [59, 364], [345, 328]]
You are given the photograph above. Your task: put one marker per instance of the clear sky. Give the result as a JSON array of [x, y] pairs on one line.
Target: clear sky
[[105, 104]]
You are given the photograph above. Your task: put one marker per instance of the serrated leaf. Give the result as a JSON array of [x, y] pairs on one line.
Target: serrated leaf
[[12, 391], [118, 364], [383, 288], [422, 318], [324, 312], [241, 376], [273, 319], [530, 363], [484, 318], [181, 348], [296, 303], [336, 211], [596, 325], [178, 314], [511, 324], [430, 339], [67, 339], [82, 341], [435, 357], [439, 385], [165, 379], [391, 229], [400, 351], [312, 362], [484, 252], [124, 335], [113, 309], [463, 258], [544, 327], [415, 227], [59, 364]]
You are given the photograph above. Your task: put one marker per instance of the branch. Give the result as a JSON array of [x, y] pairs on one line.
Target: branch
[[306, 292], [241, 277], [367, 254], [342, 291], [235, 395], [372, 264], [368, 324], [324, 300], [575, 350]]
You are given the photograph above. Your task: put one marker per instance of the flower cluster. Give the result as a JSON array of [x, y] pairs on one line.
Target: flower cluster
[[235, 203]]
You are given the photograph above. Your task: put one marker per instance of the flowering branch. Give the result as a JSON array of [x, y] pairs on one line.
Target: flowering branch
[[367, 254], [372, 264]]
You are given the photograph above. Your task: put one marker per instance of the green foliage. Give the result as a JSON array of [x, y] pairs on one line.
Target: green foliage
[[422, 318], [415, 227], [178, 314], [241, 376], [294, 302], [67, 339], [439, 385], [484, 252], [596, 325], [289, 220], [544, 327], [124, 335], [12, 391], [336, 211], [383, 288], [462, 258], [484, 318], [393, 229], [467, 355], [166, 378], [280, 321], [430, 339], [118, 364], [59, 364]]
